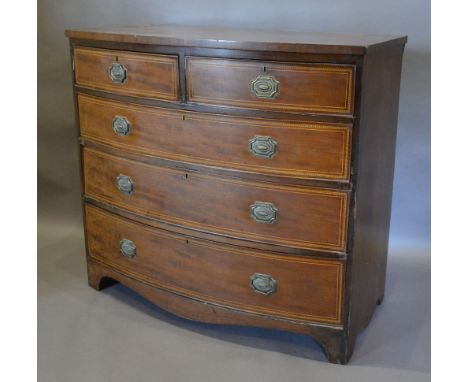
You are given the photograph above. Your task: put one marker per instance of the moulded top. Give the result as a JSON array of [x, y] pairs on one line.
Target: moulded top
[[244, 39]]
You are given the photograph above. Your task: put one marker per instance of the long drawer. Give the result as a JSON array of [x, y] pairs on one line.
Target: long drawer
[[128, 73], [296, 288], [282, 148], [279, 86], [309, 218]]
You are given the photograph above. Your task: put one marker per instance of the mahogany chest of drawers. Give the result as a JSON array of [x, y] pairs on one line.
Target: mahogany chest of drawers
[[240, 177]]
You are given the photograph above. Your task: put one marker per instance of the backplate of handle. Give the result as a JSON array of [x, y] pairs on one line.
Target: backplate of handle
[[265, 86], [121, 126], [124, 184], [263, 283], [264, 212], [128, 248], [117, 73], [263, 146]]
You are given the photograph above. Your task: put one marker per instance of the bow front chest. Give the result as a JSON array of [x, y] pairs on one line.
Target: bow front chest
[[240, 177]]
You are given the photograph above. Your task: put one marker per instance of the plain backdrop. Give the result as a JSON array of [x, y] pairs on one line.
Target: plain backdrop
[[75, 345], [57, 150]]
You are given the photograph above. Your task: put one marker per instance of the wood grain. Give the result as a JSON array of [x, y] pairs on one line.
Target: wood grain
[[306, 150], [307, 217], [374, 177], [238, 39], [331, 338], [149, 75], [303, 88], [308, 289]]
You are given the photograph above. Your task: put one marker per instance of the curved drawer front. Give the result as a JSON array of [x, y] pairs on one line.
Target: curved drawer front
[[289, 287], [323, 88], [134, 74], [290, 216], [283, 148]]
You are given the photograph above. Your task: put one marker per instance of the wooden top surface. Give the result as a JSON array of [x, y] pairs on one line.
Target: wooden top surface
[[244, 39]]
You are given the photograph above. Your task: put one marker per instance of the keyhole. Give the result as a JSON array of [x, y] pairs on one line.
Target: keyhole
[[186, 176], [116, 58], [264, 69], [183, 118]]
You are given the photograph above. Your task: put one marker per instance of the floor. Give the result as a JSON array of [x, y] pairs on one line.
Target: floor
[[115, 335]]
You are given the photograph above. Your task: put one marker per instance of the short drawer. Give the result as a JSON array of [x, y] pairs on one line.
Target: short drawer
[[282, 148], [134, 74], [285, 215], [297, 288], [322, 88]]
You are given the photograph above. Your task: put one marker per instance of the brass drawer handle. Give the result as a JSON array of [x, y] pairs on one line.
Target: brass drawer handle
[[128, 248], [264, 212], [121, 126], [125, 184], [117, 73], [264, 86], [264, 284], [263, 146]]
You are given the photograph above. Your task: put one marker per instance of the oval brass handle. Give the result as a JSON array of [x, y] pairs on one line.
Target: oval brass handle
[[121, 126], [263, 146], [264, 86], [117, 73], [124, 184], [262, 283], [128, 248], [264, 212]]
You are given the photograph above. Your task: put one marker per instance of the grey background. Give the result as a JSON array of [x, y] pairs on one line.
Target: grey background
[[115, 335]]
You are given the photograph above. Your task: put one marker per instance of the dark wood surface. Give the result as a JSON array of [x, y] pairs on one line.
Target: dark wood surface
[[305, 150], [154, 76], [307, 217], [308, 289], [374, 178], [169, 181], [230, 38], [302, 88]]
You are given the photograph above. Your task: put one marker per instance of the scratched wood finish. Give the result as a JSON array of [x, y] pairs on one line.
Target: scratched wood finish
[[302, 87], [306, 150], [307, 289], [307, 217], [148, 75]]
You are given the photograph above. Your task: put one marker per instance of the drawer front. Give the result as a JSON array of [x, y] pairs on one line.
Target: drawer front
[[296, 288], [305, 150], [285, 215], [134, 74], [324, 88]]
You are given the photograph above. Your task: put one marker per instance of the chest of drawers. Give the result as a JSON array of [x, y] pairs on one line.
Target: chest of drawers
[[240, 177]]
